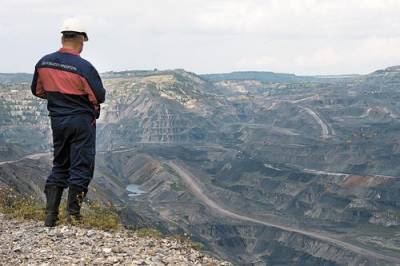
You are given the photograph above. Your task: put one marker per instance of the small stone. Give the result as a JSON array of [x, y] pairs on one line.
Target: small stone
[[107, 250], [91, 233], [31, 244], [113, 259], [117, 250]]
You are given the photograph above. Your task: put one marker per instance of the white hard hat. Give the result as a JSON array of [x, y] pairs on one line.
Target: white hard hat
[[74, 25]]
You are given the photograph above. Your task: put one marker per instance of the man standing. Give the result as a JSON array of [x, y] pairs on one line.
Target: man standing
[[74, 92]]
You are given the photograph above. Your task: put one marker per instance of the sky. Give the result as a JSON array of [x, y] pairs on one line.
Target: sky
[[306, 37]]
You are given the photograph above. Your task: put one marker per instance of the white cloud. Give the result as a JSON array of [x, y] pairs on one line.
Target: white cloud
[[321, 57], [303, 36], [259, 62], [381, 48]]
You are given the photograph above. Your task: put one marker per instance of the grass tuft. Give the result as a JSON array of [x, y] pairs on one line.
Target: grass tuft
[[18, 206], [149, 232], [94, 215], [187, 242]]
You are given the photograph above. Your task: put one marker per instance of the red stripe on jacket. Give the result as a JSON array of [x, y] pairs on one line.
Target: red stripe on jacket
[[40, 92], [55, 80]]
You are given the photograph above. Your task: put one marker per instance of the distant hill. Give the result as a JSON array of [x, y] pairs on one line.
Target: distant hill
[[393, 71], [264, 76], [253, 75], [15, 77]]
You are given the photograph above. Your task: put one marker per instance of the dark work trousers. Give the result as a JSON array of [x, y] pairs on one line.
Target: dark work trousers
[[74, 141]]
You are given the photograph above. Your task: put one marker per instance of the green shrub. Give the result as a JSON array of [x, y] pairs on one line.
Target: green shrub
[[187, 242], [149, 232], [94, 215], [18, 206], [176, 186]]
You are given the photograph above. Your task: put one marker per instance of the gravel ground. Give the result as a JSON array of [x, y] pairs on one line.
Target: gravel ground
[[29, 243]]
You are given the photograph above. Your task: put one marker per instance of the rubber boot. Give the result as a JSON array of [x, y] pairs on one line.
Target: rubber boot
[[74, 204], [53, 199]]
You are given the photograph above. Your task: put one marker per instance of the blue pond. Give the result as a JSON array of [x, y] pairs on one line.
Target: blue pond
[[134, 190]]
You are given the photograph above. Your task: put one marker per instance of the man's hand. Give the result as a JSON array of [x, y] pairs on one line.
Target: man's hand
[[97, 110]]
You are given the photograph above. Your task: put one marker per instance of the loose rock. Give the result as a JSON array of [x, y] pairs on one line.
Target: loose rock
[[29, 243]]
